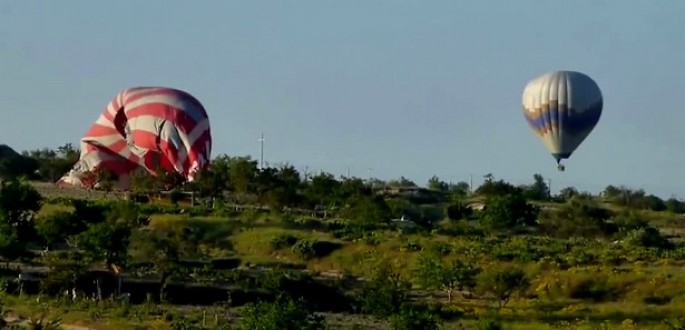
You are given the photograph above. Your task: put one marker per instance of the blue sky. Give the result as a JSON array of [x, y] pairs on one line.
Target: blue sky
[[411, 88]]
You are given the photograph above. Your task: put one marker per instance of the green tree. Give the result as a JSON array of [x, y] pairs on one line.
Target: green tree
[[538, 190], [106, 179], [287, 186], [611, 192], [164, 249], [283, 314], [47, 160], [434, 183], [142, 183], [503, 283], [11, 248], [411, 317], [54, 163], [459, 191], [352, 188], [242, 174], [568, 193], [459, 210], [17, 166], [675, 206], [65, 271], [322, 190], [53, 228], [385, 293], [655, 203], [509, 211], [402, 182], [435, 273], [368, 211], [107, 242], [266, 181], [19, 202], [290, 177], [214, 179], [493, 188], [579, 219], [168, 180]]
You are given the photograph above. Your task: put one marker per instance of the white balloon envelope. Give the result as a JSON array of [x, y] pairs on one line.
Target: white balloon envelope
[[562, 108]]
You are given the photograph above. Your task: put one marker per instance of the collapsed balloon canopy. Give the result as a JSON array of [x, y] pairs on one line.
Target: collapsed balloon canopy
[[150, 128]]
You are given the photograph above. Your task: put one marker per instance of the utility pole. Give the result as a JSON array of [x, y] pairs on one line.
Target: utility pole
[[470, 184], [306, 173], [349, 165], [549, 188], [261, 152]]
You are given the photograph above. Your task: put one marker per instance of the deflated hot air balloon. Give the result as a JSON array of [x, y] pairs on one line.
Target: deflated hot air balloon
[[562, 108], [145, 127]]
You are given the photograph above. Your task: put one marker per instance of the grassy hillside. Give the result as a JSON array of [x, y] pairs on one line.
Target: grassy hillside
[[573, 283]]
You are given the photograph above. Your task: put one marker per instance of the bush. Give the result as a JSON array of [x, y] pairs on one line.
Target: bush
[[596, 285], [304, 249], [309, 249], [175, 196], [411, 245], [412, 317], [441, 248], [458, 211], [489, 324], [508, 211], [283, 241], [579, 219], [383, 295], [503, 283], [283, 314], [460, 229], [53, 228], [595, 288], [647, 237]]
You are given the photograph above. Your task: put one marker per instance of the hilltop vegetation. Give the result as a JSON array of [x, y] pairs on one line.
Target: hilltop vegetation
[[274, 248]]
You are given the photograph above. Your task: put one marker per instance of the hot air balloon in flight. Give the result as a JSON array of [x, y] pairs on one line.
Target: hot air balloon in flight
[[148, 128], [562, 108]]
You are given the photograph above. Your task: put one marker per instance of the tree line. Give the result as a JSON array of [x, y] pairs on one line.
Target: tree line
[[241, 180]]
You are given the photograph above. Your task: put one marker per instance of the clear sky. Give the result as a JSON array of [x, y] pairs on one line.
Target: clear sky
[[411, 88]]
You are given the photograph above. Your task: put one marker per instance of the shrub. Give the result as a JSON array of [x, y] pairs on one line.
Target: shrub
[[441, 248], [283, 241], [458, 211], [508, 211], [503, 283], [383, 295], [309, 249], [460, 229], [489, 324], [304, 249], [412, 317], [283, 314], [175, 196], [593, 287], [411, 245], [648, 237]]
